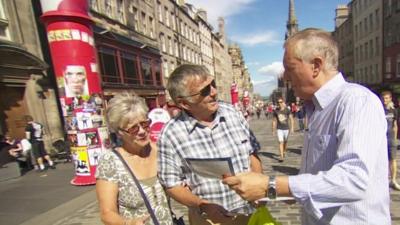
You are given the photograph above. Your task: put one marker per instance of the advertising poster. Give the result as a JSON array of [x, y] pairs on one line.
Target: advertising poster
[[81, 159], [94, 155]]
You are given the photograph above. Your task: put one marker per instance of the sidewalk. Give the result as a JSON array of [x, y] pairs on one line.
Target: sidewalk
[[36, 194], [56, 202]]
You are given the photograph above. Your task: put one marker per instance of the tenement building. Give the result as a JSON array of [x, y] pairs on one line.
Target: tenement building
[[391, 45], [26, 88], [344, 36], [367, 28]]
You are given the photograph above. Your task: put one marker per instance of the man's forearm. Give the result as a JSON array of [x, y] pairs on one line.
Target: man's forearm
[[255, 163], [183, 195]]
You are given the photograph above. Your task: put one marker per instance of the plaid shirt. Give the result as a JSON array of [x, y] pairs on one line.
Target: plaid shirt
[[184, 137]]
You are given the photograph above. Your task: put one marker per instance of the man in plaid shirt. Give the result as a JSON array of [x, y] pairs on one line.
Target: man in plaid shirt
[[205, 129]]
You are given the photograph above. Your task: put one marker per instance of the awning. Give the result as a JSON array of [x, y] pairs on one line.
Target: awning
[[16, 61]]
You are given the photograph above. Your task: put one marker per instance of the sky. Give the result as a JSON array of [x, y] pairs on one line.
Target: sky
[[259, 26]]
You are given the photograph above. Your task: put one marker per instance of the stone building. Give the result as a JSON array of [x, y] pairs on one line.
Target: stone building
[[391, 46], [26, 88], [344, 36], [126, 39], [241, 74], [205, 30], [367, 28], [222, 62]]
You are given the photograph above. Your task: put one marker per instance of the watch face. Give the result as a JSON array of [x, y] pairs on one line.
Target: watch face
[[271, 193]]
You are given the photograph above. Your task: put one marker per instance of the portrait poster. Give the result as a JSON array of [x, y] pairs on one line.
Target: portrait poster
[[94, 155], [81, 160], [75, 81]]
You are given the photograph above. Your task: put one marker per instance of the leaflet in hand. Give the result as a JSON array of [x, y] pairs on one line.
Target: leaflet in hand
[[213, 168]]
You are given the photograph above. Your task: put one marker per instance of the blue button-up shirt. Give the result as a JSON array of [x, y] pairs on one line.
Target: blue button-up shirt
[[344, 172]]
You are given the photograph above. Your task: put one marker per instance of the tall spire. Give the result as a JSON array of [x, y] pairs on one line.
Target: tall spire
[[292, 26]]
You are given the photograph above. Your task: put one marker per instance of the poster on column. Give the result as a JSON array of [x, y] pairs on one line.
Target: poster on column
[[94, 155], [84, 120], [81, 159]]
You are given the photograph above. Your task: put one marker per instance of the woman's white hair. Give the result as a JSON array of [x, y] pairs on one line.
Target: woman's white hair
[[124, 107]]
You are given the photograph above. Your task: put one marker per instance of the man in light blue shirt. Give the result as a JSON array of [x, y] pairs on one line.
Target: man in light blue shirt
[[344, 172]]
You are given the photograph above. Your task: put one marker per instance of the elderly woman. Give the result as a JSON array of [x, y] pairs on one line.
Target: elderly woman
[[119, 198]]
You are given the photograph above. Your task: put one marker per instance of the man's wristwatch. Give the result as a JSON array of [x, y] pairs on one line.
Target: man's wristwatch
[[271, 188]]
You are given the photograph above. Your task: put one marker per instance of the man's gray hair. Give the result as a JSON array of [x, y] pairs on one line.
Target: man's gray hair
[[178, 80], [312, 42], [123, 108]]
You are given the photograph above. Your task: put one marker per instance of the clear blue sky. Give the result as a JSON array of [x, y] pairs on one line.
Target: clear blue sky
[[259, 27]]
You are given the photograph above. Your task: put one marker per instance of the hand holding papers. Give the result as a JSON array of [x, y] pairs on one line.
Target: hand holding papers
[[213, 168]]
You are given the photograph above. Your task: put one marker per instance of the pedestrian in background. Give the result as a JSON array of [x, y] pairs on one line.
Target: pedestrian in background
[[119, 196], [205, 130], [343, 176], [392, 117], [34, 133], [281, 124]]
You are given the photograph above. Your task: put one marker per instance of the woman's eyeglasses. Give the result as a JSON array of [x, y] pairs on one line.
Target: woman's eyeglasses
[[204, 91], [134, 130]]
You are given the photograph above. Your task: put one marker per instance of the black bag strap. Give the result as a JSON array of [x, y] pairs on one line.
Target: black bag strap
[[146, 201]]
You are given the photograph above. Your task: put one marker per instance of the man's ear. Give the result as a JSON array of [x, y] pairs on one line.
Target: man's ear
[[317, 65], [182, 103]]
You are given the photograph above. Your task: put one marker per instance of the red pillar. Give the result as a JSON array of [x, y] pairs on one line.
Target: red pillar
[[71, 42]]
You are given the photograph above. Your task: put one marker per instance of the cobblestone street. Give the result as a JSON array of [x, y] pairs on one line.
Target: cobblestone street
[[287, 214]]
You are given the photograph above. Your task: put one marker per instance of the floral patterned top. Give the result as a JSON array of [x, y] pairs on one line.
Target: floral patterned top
[[130, 202]]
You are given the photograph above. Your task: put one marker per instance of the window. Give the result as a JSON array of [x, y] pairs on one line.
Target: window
[[160, 13], [144, 24], [356, 31], [176, 48], [165, 69], [109, 68], [152, 26], [388, 69], [157, 71], [170, 46], [377, 48], [146, 71], [371, 49], [93, 5], [4, 31], [366, 24], [377, 18], [166, 16], [389, 8], [120, 11], [130, 68], [398, 66], [135, 19], [108, 8], [163, 44], [371, 22], [173, 21]]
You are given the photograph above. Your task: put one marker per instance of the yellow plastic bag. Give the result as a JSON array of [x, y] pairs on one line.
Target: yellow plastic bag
[[262, 217]]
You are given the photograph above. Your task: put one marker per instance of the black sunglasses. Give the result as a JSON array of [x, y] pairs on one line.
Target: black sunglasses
[[204, 91], [134, 130]]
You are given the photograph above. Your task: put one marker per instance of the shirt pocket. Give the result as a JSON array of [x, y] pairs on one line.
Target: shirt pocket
[[322, 151]]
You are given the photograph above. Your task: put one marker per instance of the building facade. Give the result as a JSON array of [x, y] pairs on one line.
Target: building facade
[[127, 48], [26, 88], [391, 45], [367, 33], [344, 36]]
